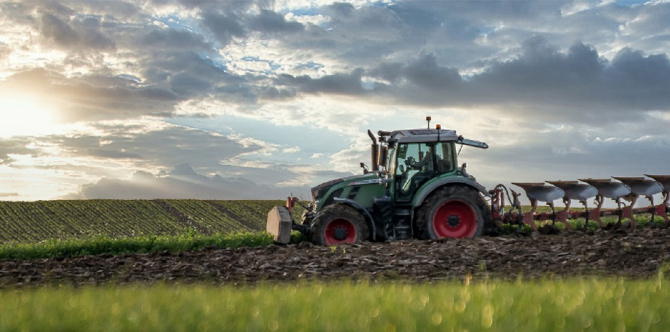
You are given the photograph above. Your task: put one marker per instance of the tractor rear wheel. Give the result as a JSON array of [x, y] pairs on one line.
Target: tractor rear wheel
[[338, 224], [454, 211]]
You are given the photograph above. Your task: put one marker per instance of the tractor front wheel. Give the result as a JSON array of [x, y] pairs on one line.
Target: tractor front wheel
[[453, 211], [338, 224]]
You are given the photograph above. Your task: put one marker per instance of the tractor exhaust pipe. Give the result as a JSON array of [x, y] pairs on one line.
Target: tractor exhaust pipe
[[374, 152]]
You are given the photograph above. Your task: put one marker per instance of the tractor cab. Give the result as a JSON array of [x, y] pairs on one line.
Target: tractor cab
[[414, 164], [417, 156]]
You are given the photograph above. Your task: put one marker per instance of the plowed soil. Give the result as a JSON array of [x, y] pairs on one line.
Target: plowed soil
[[636, 253]]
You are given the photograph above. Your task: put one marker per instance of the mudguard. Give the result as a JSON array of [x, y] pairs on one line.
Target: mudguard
[[430, 186]]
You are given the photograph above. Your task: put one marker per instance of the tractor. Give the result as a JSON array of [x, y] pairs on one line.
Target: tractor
[[414, 188]]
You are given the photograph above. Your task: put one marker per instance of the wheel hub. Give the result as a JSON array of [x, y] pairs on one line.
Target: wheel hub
[[453, 220], [340, 233]]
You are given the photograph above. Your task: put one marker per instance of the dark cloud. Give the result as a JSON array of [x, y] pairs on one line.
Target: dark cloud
[[639, 71], [170, 39], [427, 74], [273, 23], [345, 84], [185, 84], [83, 35], [58, 31], [225, 27], [542, 81], [578, 80]]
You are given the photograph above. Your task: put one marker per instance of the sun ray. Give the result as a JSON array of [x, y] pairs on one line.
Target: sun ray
[[25, 115]]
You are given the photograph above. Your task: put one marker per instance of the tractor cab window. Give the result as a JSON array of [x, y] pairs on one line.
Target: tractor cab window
[[416, 163], [446, 157]]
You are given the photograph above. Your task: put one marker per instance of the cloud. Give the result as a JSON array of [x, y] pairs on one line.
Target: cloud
[[170, 39], [163, 145], [426, 74], [347, 84], [83, 34], [225, 27], [12, 146], [543, 82], [273, 23], [180, 183]]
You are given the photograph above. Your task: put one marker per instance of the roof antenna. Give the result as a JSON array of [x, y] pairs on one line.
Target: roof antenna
[[428, 119]]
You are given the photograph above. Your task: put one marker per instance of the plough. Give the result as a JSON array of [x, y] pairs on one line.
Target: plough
[[625, 192]]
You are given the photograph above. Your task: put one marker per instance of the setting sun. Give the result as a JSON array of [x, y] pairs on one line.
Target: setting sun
[[25, 115]]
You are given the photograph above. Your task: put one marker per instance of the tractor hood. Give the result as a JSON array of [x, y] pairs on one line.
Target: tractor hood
[[334, 188], [319, 191]]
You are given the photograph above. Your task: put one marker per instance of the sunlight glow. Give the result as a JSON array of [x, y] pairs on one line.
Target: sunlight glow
[[25, 115]]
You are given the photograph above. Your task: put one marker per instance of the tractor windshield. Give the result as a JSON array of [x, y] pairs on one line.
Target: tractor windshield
[[416, 163], [425, 157]]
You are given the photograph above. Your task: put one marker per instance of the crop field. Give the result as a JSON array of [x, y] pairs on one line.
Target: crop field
[[29, 222]]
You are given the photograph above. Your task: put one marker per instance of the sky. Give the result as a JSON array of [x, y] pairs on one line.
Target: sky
[[260, 99]]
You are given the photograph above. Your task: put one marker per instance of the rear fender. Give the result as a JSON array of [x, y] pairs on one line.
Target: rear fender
[[429, 187], [363, 211]]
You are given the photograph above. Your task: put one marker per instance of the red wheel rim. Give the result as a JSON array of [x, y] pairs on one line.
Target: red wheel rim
[[455, 219], [340, 231]]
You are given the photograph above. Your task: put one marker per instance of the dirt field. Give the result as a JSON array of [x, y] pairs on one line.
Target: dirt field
[[637, 254]]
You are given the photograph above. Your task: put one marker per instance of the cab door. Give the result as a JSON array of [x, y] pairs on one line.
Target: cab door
[[418, 163]]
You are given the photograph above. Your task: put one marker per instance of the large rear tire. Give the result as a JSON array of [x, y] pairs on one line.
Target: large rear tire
[[337, 224], [454, 211]]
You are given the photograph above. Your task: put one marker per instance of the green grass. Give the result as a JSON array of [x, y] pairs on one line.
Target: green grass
[[642, 220], [189, 241], [546, 305]]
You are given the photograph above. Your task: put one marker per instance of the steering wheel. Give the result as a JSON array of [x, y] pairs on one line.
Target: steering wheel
[[410, 162]]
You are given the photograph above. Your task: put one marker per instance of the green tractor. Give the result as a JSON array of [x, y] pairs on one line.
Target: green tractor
[[413, 189]]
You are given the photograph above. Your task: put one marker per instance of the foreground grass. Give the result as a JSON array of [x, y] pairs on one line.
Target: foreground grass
[[548, 305]]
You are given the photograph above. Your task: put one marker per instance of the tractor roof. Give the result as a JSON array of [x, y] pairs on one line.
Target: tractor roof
[[420, 135]]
